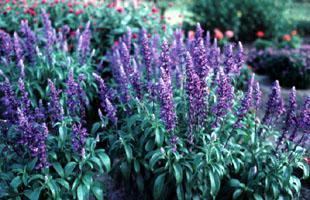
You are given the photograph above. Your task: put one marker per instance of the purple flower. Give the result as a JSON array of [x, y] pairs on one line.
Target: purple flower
[[103, 90], [245, 103], [239, 58], [6, 46], [201, 61], [125, 58], [136, 79], [305, 116], [229, 62], [127, 38], [195, 95], [54, 107], [257, 96], [224, 99], [78, 137], [275, 106], [30, 42], [214, 57], [9, 100], [18, 48], [198, 35], [291, 119], [207, 40], [39, 113], [110, 110], [146, 53], [25, 103], [33, 136], [165, 62], [50, 36], [167, 109], [84, 44], [173, 142]]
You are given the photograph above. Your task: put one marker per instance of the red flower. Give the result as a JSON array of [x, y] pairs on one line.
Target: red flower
[[134, 36], [71, 10], [164, 27], [78, 12], [229, 34], [307, 160], [116, 43], [191, 35], [154, 10], [56, 1], [43, 1], [218, 34], [8, 8], [260, 34], [294, 32], [69, 5], [286, 37], [120, 9]]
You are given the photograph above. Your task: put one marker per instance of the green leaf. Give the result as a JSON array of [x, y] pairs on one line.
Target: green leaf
[[95, 128], [53, 188], [234, 183], [33, 194], [63, 183], [258, 196], [128, 151], [159, 186], [159, 137], [214, 182], [105, 160], [97, 191], [69, 168], [15, 183], [59, 169], [81, 192], [180, 192], [237, 194], [178, 172]]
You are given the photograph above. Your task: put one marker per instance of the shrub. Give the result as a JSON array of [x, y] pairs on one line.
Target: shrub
[[110, 20], [46, 151], [245, 18], [180, 131], [290, 67]]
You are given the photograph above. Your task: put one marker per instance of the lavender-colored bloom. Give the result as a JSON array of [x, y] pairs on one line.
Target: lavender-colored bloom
[[201, 61], [73, 101], [291, 119], [120, 75], [146, 53], [239, 58], [305, 116], [125, 58], [127, 38], [257, 96], [195, 94], [245, 103], [40, 113], [214, 57], [82, 97], [225, 95], [6, 46], [173, 142], [275, 106], [9, 100], [78, 137], [167, 108], [110, 110], [136, 79], [84, 44], [229, 62], [25, 103], [207, 40], [198, 35], [18, 48], [165, 62], [54, 108], [30, 42], [103, 90], [50, 36], [33, 136]]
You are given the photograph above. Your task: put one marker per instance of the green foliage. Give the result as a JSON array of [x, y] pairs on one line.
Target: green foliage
[[245, 18]]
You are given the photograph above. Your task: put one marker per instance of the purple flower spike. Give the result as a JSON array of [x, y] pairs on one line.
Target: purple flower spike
[[291, 119], [239, 58], [198, 34], [9, 100], [305, 116], [229, 63], [127, 38], [146, 53], [110, 110], [74, 101], [167, 109], [125, 58], [195, 95], [245, 103], [18, 48], [225, 96], [6, 46], [201, 61], [84, 44], [165, 61], [54, 107], [30, 42], [275, 106], [136, 79], [50, 36], [79, 135], [25, 102], [257, 96]]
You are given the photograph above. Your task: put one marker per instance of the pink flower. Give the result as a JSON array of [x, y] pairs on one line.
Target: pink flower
[[191, 35], [229, 34], [286, 37], [120, 9], [260, 34], [218, 34], [154, 10]]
